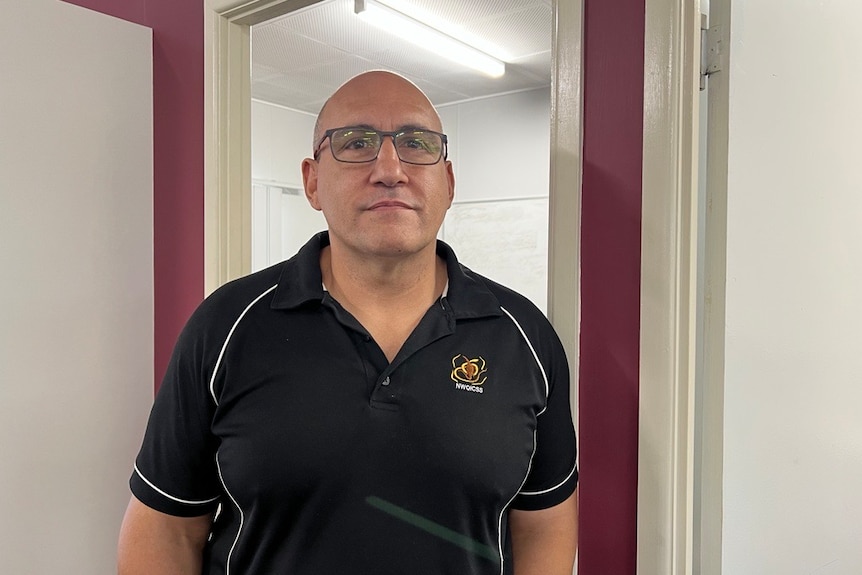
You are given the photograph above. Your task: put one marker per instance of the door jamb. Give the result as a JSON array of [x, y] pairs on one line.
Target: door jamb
[[564, 202], [669, 263]]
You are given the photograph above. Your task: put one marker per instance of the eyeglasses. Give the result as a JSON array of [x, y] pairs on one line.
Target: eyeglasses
[[356, 145]]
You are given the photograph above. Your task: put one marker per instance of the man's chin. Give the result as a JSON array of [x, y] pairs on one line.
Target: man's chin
[[388, 244], [397, 248]]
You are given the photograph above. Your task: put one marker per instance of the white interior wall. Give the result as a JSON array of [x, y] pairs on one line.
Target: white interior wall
[[793, 390], [498, 225], [280, 139], [281, 224], [500, 146], [76, 250]]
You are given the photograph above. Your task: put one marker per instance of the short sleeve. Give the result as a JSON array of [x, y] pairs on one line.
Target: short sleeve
[[553, 473], [175, 471]]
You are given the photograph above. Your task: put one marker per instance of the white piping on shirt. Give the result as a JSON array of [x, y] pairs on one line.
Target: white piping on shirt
[[241, 516], [530, 466], [505, 507], [168, 495], [535, 356], [227, 339], [560, 484]]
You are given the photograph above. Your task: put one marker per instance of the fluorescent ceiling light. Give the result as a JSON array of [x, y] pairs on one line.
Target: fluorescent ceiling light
[[428, 38]]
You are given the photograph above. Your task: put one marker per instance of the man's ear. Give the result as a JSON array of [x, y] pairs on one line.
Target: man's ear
[[450, 176], [309, 182]]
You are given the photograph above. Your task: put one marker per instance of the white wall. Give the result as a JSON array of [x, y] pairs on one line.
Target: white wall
[[498, 225], [76, 326], [793, 377], [500, 146], [280, 139], [281, 224]]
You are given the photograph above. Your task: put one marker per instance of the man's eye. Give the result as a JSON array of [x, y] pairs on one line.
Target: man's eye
[[358, 144], [414, 143]]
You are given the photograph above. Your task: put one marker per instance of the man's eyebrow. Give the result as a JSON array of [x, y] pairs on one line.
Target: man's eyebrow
[[401, 128], [414, 127]]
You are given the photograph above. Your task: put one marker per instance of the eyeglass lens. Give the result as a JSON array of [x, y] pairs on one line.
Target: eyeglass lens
[[362, 145]]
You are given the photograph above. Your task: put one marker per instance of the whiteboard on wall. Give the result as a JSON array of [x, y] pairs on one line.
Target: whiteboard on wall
[[504, 240]]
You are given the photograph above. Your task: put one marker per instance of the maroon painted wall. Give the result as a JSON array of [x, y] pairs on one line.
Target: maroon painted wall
[[178, 157], [610, 284]]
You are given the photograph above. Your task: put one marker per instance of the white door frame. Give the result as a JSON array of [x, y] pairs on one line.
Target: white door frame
[[666, 442], [564, 201], [709, 487]]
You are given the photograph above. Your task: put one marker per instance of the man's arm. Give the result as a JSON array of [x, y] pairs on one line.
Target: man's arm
[[153, 543], [545, 542]]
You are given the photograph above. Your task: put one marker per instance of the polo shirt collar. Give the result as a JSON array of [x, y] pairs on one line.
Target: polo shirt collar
[[301, 282], [466, 294]]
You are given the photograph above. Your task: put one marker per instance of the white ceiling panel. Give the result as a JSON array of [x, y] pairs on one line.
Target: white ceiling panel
[[299, 59], [274, 48]]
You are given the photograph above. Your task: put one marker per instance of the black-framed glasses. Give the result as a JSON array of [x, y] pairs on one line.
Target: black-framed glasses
[[356, 145]]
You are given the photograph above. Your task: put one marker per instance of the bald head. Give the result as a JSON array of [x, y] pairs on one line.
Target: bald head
[[370, 93]]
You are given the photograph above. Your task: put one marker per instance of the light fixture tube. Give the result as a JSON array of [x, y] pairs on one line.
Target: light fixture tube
[[428, 38]]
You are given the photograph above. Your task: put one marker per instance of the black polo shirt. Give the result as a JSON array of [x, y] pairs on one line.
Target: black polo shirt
[[282, 414]]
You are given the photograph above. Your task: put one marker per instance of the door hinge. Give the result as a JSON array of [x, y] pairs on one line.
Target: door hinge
[[711, 50]]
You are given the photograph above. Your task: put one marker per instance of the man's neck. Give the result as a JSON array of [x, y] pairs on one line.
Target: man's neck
[[388, 297], [391, 283]]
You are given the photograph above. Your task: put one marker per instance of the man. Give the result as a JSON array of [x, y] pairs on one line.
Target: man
[[368, 406]]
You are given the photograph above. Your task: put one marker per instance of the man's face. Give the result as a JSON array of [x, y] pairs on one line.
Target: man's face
[[385, 207]]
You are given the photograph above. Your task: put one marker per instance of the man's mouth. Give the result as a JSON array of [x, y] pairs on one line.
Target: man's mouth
[[390, 205]]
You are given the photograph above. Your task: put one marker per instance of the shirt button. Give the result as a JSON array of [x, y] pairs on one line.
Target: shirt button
[[385, 381]]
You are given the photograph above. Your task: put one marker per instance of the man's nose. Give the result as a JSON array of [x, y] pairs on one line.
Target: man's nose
[[388, 168], [387, 147]]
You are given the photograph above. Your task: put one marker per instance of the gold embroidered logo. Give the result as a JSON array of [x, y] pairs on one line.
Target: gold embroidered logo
[[469, 371]]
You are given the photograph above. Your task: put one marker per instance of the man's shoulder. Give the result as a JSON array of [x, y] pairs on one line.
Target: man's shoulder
[[509, 299], [531, 322], [246, 288], [229, 301]]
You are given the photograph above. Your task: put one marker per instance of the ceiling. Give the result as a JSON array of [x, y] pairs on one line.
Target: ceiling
[[299, 59]]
